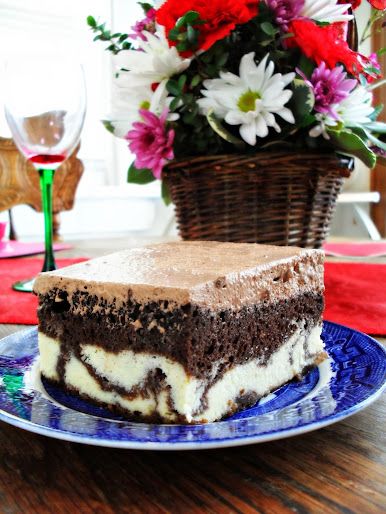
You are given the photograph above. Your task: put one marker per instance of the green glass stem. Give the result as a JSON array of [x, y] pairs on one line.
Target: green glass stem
[[46, 181]]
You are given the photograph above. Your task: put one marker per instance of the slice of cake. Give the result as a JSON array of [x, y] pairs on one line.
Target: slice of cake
[[185, 332]]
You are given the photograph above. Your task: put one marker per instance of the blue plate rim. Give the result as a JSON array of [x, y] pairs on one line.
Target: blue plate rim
[[197, 445]]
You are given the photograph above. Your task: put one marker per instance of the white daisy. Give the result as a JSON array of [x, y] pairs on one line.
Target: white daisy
[[353, 111], [128, 103], [328, 11], [324, 123], [151, 64], [357, 108], [250, 100]]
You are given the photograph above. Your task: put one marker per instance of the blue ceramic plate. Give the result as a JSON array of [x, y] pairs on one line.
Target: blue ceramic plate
[[350, 380]]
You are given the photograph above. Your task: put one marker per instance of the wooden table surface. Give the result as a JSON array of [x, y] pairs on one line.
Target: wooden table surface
[[338, 469]]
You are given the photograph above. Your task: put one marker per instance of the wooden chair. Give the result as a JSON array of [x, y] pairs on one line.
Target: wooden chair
[[19, 182]]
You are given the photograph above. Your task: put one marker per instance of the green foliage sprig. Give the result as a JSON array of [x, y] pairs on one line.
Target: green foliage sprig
[[117, 41], [186, 32]]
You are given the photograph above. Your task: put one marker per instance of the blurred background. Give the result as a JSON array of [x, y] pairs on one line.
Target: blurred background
[[105, 204]]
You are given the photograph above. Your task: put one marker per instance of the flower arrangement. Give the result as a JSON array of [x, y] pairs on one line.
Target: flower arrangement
[[199, 77]]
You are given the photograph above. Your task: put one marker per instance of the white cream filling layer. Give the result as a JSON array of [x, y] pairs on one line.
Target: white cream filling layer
[[129, 370]]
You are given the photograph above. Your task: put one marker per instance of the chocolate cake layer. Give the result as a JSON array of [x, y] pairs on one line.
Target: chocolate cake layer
[[193, 336]]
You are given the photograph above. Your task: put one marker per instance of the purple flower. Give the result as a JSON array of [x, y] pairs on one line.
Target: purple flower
[[374, 61], [147, 23], [330, 87], [378, 151], [285, 11], [151, 142]]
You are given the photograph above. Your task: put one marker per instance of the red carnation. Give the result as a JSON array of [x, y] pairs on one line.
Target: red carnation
[[378, 4], [326, 44], [354, 3], [220, 16]]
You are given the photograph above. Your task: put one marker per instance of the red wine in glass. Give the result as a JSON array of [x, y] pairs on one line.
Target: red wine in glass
[[47, 160]]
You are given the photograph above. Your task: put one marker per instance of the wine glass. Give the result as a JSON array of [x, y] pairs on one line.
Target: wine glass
[[45, 106]]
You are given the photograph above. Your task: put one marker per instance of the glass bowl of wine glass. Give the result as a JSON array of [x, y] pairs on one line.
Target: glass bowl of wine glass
[[45, 107]]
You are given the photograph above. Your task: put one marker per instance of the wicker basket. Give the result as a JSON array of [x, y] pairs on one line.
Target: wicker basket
[[271, 197]]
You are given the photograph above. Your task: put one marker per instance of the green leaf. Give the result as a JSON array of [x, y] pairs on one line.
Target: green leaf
[[181, 83], [188, 98], [136, 176], [108, 126], [360, 132], [183, 46], [372, 70], [222, 131], [307, 121], [306, 66], [174, 104], [145, 6], [268, 28], [165, 193], [173, 34], [172, 87], [188, 19], [221, 61], [266, 42], [302, 100], [351, 144], [91, 22], [181, 23], [189, 118], [195, 81], [192, 35]]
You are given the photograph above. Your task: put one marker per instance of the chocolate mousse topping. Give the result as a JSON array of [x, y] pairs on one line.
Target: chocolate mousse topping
[[213, 275]]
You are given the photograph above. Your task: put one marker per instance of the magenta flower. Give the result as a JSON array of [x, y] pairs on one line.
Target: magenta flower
[[151, 142], [147, 24], [373, 58], [285, 11], [330, 87]]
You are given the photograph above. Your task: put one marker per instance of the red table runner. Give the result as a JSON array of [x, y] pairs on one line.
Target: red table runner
[[15, 307], [355, 293], [356, 296]]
